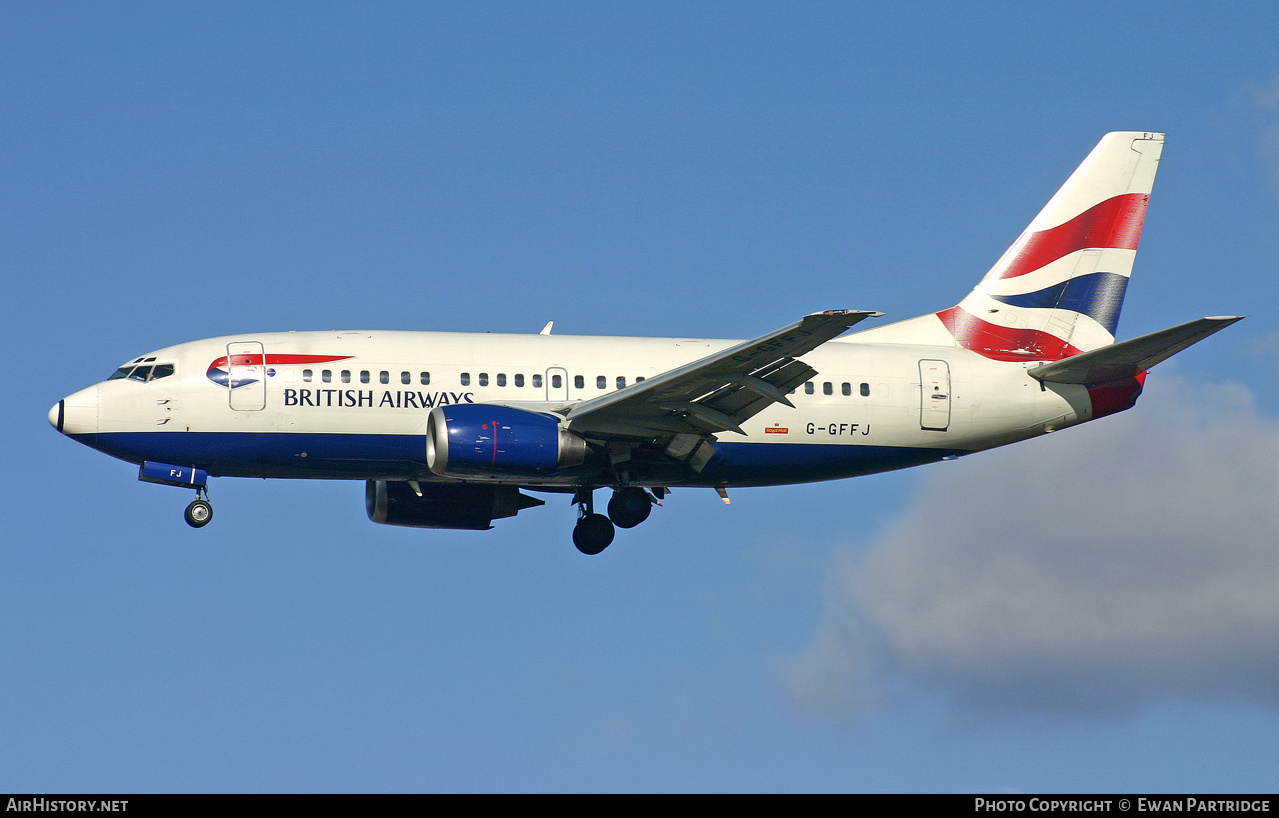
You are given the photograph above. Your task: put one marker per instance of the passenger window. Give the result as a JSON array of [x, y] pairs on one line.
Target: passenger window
[[346, 376], [846, 389], [501, 379], [484, 379], [306, 376], [406, 378], [326, 376], [621, 381], [537, 381], [384, 376], [865, 390], [364, 376], [600, 381], [556, 382], [519, 380], [828, 388], [579, 382], [466, 378], [808, 388], [425, 378], [640, 378]]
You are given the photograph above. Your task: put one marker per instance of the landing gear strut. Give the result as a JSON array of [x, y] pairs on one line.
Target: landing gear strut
[[200, 512]]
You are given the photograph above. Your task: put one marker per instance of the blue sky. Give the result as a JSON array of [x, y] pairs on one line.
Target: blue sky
[[176, 172]]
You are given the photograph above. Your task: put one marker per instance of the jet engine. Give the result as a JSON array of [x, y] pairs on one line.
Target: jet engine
[[483, 440], [442, 505]]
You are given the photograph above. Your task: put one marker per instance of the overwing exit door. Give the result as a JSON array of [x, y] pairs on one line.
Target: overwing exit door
[[557, 384]]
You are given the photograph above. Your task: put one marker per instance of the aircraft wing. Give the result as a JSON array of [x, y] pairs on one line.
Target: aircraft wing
[[1126, 358], [717, 393]]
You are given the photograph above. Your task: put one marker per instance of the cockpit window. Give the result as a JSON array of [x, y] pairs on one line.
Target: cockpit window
[[142, 373]]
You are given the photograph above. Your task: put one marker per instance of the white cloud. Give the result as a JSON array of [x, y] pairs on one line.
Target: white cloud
[[1093, 570], [1267, 96]]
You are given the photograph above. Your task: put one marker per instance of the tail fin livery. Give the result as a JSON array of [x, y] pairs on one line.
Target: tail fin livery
[[1057, 291]]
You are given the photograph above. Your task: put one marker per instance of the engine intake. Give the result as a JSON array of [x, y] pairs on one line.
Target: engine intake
[[483, 440]]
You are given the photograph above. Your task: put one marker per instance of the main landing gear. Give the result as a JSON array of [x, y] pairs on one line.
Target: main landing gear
[[200, 512], [593, 533], [627, 508]]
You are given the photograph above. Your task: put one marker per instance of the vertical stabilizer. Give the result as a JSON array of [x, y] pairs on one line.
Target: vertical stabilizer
[[1058, 289]]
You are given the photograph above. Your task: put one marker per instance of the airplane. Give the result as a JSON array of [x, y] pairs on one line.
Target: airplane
[[450, 430]]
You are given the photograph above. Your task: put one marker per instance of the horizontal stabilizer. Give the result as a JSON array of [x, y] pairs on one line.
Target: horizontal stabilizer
[[1126, 358]]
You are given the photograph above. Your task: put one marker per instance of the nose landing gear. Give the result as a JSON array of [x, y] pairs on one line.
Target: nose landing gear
[[200, 512]]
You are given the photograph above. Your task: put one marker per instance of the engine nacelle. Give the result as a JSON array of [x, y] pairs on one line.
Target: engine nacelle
[[482, 440], [442, 505]]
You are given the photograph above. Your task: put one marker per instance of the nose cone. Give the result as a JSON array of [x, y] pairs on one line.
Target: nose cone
[[76, 414]]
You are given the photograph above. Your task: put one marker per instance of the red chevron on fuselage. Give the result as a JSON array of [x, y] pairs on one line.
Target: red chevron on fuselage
[[1004, 343], [219, 370]]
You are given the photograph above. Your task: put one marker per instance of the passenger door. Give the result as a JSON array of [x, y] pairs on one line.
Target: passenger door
[[246, 375], [934, 395]]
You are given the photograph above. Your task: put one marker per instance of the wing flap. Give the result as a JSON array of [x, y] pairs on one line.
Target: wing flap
[[748, 395]]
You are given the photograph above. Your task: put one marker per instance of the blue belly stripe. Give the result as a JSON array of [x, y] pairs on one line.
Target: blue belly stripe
[[402, 457]]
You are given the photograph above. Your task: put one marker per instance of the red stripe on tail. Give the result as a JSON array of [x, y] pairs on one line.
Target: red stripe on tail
[[1114, 223]]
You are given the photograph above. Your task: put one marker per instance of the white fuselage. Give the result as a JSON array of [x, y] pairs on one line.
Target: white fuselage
[[354, 405]]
